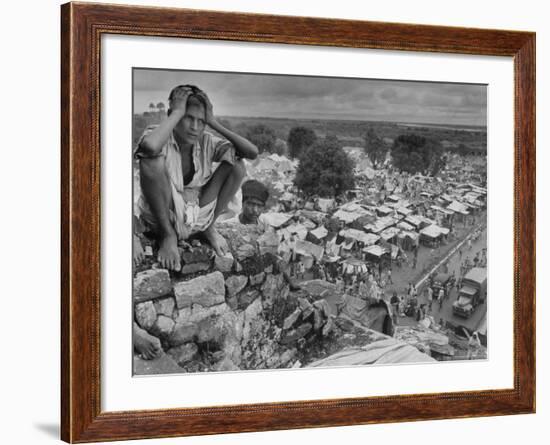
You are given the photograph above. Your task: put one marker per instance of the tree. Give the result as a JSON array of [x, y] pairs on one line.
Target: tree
[[299, 139], [375, 148], [417, 154], [262, 136], [325, 169], [160, 106], [152, 107]]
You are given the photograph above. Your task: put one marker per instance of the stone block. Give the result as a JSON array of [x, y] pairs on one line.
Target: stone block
[[328, 327], [246, 297], [193, 268], [235, 284], [257, 279], [184, 354], [207, 290], [224, 263], [151, 284], [183, 333], [163, 327], [145, 314], [165, 306], [202, 254], [296, 334], [292, 318]]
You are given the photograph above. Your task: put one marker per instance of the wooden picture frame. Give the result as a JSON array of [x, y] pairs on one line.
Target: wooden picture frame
[[82, 26]]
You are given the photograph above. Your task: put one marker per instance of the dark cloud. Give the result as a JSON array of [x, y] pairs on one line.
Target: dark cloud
[[321, 97]]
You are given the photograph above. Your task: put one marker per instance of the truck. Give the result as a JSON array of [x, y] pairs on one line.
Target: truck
[[472, 293]]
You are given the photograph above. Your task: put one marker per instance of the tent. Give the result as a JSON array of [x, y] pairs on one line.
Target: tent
[[358, 235]]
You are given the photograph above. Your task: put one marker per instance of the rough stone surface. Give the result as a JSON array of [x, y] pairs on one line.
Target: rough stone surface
[[245, 251], [151, 284], [207, 290], [183, 333], [306, 306], [344, 324], [164, 364], [268, 243], [163, 327], [224, 263], [145, 314], [292, 318], [328, 327], [318, 319], [184, 354], [287, 356], [193, 268], [323, 306], [257, 279], [198, 313], [235, 284], [317, 288], [251, 319], [210, 330], [246, 297], [274, 288], [202, 254], [295, 334], [165, 306]]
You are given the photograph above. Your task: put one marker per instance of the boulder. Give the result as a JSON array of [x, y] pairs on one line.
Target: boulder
[[193, 268], [274, 288], [211, 330], [296, 334], [318, 319], [145, 314], [318, 288], [207, 290], [151, 284], [323, 306], [184, 354], [183, 333], [165, 306], [246, 297], [306, 306], [252, 318], [224, 263], [328, 327], [245, 251], [198, 313], [257, 279], [268, 243], [292, 318], [235, 283], [202, 254], [163, 327]]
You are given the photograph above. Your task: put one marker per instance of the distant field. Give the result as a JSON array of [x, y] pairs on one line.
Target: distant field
[[349, 132]]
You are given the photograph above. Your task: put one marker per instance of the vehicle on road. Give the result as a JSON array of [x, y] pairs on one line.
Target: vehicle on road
[[443, 281], [472, 293]]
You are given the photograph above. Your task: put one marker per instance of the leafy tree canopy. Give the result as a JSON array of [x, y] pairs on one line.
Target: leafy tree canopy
[[325, 169], [417, 154], [299, 139], [262, 136], [375, 148], [160, 106]]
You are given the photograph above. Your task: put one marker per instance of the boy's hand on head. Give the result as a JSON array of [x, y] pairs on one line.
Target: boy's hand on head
[[209, 109], [179, 99]]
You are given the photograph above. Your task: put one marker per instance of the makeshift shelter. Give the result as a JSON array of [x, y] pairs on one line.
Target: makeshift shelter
[[376, 254], [430, 235], [408, 240], [390, 234], [276, 219], [305, 248], [317, 235], [353, 266], [358, 235], [384, 210]]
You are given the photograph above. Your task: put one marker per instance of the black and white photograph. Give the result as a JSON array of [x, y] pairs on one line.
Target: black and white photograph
[[285, 222]]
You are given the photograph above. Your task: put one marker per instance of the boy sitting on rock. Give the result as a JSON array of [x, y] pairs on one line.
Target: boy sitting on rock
[[188, 175]]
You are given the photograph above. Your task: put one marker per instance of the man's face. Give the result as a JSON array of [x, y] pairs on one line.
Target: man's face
[[252, 209], [191, 126]]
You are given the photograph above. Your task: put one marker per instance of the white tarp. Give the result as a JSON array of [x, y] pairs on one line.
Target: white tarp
[[358, 235]]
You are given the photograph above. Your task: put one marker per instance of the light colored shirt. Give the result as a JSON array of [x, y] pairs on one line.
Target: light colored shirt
[[208, 152]]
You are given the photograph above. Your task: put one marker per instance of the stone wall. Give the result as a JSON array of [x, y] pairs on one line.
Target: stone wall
[[237, 312]]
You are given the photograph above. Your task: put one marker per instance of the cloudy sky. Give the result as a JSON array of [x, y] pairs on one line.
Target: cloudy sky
[[320, 97]]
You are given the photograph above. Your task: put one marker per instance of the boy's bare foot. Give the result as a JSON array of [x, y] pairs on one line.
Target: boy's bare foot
[[139, 254], [147, 346], [168, 254], [218, 242]]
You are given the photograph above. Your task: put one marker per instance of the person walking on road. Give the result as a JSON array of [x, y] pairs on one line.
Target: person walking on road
[[430, 297]]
